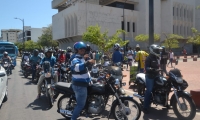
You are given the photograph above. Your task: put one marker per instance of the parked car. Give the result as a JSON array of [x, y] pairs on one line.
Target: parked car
[[3, 85]]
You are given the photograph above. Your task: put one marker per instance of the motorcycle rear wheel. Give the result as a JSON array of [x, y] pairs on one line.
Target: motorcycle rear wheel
[[192, 111], [134, 115]]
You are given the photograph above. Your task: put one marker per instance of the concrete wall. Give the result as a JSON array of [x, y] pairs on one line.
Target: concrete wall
[[35, 33]]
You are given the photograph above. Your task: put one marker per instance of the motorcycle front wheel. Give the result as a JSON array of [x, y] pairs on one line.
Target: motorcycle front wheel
[[135, 110], [50, 98], [63, 105], [187, 109]]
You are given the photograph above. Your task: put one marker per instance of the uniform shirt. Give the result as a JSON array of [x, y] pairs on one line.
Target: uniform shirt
[[80, 75], [140, 57], [117, 57], [52, 60], [35, 59]]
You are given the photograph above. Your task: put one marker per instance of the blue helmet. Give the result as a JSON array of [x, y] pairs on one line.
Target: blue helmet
[[79, 45]]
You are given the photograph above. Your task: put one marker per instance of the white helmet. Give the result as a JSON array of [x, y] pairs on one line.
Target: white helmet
[[155, 50], [116, 46]]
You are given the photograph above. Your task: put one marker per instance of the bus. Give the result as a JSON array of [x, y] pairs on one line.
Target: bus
[[11, 49]]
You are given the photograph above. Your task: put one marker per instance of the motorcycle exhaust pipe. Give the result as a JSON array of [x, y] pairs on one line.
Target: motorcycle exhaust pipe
[[138, 96]]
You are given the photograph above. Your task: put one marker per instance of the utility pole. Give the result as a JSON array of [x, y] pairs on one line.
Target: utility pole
[[23, 32], [124, 36], [151, 22]]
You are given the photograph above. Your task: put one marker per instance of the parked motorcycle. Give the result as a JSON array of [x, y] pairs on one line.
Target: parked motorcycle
[[123, 107], [181, 100]]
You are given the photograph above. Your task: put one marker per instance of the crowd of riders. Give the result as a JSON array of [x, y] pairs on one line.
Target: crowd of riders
[[82, 57]]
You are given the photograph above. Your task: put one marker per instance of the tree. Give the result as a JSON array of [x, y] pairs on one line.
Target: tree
[[46, 38], [143, 37], [101, 39], [195, 39], [30, 46], [171, 41], [19, 46]]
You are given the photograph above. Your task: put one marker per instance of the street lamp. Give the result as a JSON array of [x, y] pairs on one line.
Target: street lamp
[[23, 31], [124, 26]]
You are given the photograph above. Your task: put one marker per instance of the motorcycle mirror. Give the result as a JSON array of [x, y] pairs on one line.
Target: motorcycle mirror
[[124, 84]]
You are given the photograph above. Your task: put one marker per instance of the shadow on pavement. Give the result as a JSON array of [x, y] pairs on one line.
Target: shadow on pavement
[[155, 114], [39, 104]]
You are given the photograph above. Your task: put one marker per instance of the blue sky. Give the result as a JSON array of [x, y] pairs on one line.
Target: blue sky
[[36, 13]]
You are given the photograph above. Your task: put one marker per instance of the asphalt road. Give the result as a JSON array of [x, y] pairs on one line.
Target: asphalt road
[[23, 105]]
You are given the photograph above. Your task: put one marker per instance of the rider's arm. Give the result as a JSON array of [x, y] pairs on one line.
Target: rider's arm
[[78, 66]]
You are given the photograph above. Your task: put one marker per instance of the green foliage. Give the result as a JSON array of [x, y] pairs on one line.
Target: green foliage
[[102, 40], [30, 45], [195, 39], [19, 46], [143, 37], [46, 38], [171, 41]]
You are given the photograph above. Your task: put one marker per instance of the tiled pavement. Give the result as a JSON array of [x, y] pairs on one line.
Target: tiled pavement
[[191, 73]]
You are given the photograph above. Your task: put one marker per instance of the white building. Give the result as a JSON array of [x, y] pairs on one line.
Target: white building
[[9, 35], [30, 34], [170, 16]]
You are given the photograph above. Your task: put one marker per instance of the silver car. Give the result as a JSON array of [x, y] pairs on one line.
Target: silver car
[[3, 85]]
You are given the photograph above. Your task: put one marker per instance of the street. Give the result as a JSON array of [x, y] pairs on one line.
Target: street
[[22, 103]]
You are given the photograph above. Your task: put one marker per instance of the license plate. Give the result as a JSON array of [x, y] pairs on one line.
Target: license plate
[[94, 70]]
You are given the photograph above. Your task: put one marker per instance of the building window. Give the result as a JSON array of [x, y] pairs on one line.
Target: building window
[[133, 27], [28, 38], [173, 11], [122, 25], [177, 11], [28, 33], [181, 12], [184, 13], [128, 27], [177, 30]]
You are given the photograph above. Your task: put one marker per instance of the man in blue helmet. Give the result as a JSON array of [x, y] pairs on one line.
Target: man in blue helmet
[[80, 77]]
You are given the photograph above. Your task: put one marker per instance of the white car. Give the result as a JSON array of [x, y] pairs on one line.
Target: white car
[[3, 85]]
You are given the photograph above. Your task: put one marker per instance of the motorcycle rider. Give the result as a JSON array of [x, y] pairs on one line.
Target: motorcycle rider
[[34, 60], [7, 58], [61, 58], [163, 61], [80, 77], [117, 56], [52, 60], [68, 54], [151, 67]]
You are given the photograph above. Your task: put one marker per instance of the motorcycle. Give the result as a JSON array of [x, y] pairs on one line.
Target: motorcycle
[[97, 99], [47, 82], [27, 70], [7, 67], [62, 71], [95, 71], [161, 90]]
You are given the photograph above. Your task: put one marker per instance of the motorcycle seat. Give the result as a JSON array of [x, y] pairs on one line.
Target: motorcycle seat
[[64, 86]]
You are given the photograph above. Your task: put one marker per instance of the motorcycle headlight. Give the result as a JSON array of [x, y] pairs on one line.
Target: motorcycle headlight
[[5, 64], [117, 83], [179, 79], [47, 75]]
